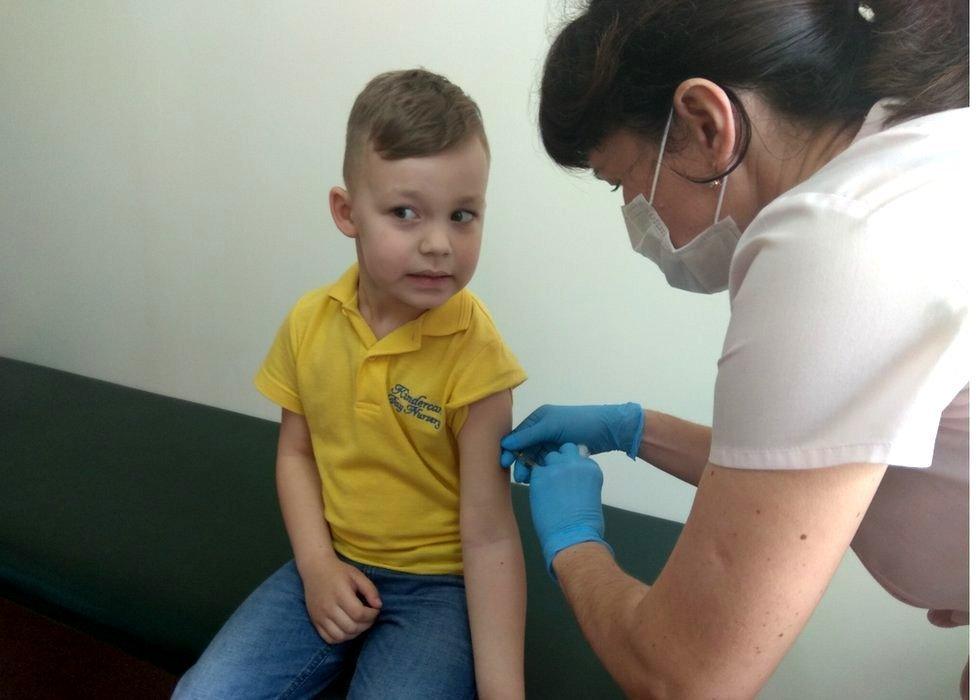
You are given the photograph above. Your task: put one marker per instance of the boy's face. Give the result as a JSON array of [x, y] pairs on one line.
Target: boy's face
[[417, 224]]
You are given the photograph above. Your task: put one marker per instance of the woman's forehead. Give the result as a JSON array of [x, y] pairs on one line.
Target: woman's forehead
[[620, 149]]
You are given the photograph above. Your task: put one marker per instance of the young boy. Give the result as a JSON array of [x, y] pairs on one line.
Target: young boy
[[395, 390]]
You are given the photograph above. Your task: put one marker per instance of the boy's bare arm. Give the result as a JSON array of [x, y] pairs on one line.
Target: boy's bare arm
[[494, 570], [300, 493], [330, 584]]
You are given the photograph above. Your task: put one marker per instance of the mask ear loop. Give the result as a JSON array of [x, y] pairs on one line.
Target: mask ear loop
[[721, 198], [660, 155]]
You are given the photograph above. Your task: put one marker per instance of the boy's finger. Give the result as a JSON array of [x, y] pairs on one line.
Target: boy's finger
[[366, 587], [342, 618], [367, 616], [358, 611], [333, 635], [322, 633]]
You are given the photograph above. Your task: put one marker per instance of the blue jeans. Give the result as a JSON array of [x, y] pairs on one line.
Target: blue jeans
[[418, 647]]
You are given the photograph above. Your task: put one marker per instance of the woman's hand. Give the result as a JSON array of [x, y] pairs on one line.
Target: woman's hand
[[599, 428], [564, 493], [334, 596]]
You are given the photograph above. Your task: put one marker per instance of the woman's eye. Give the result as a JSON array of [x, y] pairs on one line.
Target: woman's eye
[[405, 213], [462, 216]]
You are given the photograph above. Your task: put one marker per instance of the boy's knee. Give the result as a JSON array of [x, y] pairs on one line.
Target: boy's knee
[[207, 681]]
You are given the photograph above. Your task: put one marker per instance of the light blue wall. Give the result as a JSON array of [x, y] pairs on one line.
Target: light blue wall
[[163, 202]]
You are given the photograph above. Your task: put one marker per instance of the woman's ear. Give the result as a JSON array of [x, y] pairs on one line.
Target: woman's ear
[[340, 204], [706, 111]]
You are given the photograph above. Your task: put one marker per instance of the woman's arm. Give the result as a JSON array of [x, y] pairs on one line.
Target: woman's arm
[[494, 571], [752, 562], [676, 446]]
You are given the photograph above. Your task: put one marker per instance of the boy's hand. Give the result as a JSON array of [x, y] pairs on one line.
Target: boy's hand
[[334, 594]]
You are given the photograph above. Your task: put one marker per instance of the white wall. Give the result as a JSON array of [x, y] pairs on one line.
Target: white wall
[[163, 179]]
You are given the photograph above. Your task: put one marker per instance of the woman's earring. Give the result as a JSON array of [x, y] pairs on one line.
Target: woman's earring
[[717, 181]]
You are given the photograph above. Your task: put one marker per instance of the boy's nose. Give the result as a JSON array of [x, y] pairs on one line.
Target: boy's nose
[[435, 241]]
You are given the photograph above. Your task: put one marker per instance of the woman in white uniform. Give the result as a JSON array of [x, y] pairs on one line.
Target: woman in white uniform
[[814, 158]]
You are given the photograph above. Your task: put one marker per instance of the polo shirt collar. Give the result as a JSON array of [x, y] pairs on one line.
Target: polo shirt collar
[[453, 316]]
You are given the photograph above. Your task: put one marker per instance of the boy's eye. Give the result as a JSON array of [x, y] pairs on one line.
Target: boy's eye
[[405, 213], [462, 216]]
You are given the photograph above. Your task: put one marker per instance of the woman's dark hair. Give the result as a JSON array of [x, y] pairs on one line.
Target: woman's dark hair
[[618, 63]]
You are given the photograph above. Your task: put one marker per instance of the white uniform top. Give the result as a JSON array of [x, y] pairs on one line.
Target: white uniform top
[[850, 341]]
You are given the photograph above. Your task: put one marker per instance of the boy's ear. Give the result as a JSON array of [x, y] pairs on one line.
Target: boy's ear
[[340, 204]]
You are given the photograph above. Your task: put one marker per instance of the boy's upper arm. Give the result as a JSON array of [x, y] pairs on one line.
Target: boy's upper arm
[[294, 437], [484, 486]]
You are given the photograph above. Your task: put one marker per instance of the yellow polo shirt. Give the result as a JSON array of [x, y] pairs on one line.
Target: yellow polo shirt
[[384, 416]]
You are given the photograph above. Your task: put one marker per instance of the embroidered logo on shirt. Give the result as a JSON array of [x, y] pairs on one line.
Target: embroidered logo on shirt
[[417, 406]]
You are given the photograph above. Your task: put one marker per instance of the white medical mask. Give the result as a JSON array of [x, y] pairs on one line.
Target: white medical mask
[[700, 266]]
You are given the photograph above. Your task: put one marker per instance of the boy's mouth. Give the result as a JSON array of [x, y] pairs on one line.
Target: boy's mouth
[[429, 274], [429, 278]]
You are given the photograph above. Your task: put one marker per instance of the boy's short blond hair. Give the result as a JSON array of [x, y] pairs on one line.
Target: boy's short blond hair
[[406, 114]]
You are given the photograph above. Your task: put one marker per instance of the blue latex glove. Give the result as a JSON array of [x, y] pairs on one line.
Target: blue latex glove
[[600, 428], [564, 493]]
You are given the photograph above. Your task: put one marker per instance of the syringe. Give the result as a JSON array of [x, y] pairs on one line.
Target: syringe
[[529, 462]]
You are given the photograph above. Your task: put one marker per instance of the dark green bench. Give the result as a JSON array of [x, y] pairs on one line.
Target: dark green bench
[[146, 520]]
